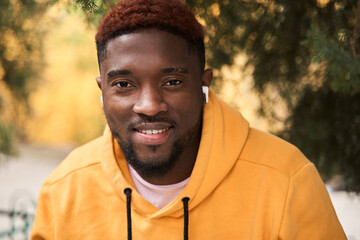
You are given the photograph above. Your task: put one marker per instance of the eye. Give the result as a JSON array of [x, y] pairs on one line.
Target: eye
[[123, 84], [173, 83]]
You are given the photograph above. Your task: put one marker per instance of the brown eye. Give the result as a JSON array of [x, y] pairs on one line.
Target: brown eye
[[123, 84], [173, 83]]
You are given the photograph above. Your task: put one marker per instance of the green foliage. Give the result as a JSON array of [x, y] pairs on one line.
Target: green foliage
[[94, 9], [87, 6], [20, 43], [342, 70], [20, 61], [6, 141]]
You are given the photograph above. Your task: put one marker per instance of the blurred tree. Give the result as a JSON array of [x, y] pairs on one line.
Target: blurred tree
[[61, 114], [94, 9], [20, 63]]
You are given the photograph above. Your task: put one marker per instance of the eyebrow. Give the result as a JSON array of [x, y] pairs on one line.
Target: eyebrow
[[175, 70], [124, 72], [118, 72]]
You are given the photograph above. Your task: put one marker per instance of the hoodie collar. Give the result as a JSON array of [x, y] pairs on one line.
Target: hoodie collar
[[223, 136]]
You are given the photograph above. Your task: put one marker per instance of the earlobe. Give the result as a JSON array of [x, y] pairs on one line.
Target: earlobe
[[98, 80], [207, 77]]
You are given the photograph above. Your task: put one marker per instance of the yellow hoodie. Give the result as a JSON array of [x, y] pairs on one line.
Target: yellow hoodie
[[246, 184]]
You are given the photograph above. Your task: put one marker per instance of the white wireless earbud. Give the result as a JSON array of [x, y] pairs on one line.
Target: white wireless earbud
[[102, 101], [205, 90]]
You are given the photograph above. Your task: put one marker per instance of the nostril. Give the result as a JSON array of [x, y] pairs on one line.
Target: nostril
[[150, 107], [149, 101]]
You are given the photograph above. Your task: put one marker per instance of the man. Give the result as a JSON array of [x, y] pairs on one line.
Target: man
[[175, 162]]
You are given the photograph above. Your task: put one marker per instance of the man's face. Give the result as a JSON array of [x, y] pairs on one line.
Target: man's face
[[153, 101]]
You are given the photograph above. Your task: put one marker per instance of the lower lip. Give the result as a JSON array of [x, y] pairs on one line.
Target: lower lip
[[153, 139]]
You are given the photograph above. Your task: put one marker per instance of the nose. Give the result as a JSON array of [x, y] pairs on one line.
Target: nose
[[150, 103]]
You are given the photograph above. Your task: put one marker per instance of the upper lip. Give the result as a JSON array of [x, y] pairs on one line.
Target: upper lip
[[152, 126]]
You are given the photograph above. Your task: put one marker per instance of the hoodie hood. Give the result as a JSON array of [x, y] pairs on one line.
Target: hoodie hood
[[223, 136]]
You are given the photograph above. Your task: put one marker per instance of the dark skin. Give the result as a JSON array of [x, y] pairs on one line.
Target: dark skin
[[153, 100]]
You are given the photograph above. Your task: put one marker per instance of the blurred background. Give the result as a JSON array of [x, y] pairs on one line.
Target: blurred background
[[291, 67]]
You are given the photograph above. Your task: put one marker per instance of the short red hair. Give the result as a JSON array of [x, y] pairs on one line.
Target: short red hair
[[168, 15]]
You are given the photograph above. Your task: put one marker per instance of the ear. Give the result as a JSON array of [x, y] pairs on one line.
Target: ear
[[98, 80], [207, 77]]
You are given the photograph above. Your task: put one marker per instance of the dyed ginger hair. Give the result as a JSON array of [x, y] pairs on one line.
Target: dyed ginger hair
[[172, 16]]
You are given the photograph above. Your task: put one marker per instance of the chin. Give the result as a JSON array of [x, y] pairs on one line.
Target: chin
[[152, 164]]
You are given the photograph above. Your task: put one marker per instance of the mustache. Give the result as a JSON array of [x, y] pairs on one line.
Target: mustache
[[148, 119]]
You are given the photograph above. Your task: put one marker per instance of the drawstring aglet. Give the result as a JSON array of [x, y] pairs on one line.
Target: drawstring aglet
[[185, 201], [127, 192]]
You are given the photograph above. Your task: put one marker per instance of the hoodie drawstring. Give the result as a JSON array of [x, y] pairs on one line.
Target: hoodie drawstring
[[186, 217], [185, 201], [127, 192]]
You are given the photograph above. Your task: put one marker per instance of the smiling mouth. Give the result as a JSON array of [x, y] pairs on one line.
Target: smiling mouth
[[152, 131], [152, 135]]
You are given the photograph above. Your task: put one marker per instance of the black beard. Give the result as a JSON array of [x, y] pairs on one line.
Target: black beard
[[160, 168], [151, 169]]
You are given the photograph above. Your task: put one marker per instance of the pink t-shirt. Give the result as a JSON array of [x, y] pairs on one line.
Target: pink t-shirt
[[157, 195]]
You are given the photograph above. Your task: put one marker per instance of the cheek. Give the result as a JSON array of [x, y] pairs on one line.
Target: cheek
[[117, 112], [188, 108]]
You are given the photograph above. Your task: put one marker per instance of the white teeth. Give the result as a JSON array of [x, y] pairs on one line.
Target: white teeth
[[153, 131]]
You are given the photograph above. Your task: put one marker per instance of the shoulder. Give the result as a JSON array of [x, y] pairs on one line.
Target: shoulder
[[81, 158], [272, 152]]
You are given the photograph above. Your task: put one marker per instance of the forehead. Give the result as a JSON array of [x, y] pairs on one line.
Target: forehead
[[149, 48]]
